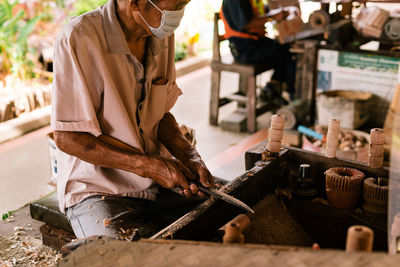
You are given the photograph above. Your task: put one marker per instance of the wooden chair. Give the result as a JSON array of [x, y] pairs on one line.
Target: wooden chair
[[246, 96]]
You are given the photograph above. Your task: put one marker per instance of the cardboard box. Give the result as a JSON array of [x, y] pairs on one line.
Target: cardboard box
[[350, 107], [274, 4], [289, 27]]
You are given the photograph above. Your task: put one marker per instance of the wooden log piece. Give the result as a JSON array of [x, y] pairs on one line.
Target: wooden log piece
[[242, 220], [377, 136], [377, 141], [289, 113], [319, 19], [274, 146], [375, 162], [233, 234], [332, 138], [275, 134], [376, 150], [359, 238], [277, 122]]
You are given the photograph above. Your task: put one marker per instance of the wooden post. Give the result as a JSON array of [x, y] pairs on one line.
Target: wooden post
[[215, 75], [332, 140], [214, 97], [359, 238], [276, 133], [376, 148], [251, 104], [233, 234]]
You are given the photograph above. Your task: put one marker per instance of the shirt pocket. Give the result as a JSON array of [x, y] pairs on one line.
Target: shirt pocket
[[154, 109]]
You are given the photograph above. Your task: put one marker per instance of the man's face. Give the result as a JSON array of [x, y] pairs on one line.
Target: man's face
[[153, 15]]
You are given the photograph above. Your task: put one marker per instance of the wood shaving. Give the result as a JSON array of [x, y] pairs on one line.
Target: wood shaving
[[97, 221], [20, 249], [106, 222], [128, 234], [89, 207], [103, 197], [102, 252]]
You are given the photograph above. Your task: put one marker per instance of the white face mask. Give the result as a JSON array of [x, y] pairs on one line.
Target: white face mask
[[170, 20]]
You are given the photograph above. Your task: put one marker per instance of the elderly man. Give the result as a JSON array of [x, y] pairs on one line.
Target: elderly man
[[114, 86]]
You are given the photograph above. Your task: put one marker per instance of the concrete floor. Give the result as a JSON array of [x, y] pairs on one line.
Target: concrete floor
[[25, 163]]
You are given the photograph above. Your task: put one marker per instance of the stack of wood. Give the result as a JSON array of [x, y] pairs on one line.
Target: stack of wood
[[14, 105], [376, 148], [370, 21], [276, 133]]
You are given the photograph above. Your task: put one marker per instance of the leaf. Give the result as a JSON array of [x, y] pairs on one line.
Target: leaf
[[8, 7], [28, 28]]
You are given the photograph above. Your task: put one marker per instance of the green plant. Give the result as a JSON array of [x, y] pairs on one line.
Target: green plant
[[7, 215], [14, 32], [83, 6], [180, 51]]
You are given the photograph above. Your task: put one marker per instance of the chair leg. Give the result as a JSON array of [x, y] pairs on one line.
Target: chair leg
[[243, 84], [242, 88], [214, 97], [251, 104]]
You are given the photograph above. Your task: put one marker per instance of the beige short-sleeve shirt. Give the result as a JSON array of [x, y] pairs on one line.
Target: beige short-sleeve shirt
[[101, 88]]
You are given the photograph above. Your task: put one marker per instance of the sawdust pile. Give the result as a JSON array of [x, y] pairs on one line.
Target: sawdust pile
[[20, 249]]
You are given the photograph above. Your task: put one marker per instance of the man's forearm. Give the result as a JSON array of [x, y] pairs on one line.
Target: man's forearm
[[257, 23], [90, 149], [172, 138]]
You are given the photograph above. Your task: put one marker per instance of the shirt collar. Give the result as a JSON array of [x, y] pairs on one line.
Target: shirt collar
[[115, 37]]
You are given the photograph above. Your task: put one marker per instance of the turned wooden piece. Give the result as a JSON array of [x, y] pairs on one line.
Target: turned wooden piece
[[377, 136], [359, 238], [376, 148], [344, 187], [233, 234], [375, 194], [234, 228], [276, 133], [332, 140]]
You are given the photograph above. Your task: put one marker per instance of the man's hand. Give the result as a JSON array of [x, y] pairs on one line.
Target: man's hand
[[171, 173], [171, 137], [198, 167]]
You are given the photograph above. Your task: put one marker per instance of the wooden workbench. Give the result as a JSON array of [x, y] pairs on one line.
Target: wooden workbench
[[186, 253]]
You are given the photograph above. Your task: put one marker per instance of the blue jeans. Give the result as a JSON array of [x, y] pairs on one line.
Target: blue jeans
[[120, 217]]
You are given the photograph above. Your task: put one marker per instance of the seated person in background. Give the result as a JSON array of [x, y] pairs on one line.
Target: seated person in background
[[244, 22]]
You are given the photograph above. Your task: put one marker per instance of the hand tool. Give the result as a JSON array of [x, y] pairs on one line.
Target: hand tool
[[220, 195]]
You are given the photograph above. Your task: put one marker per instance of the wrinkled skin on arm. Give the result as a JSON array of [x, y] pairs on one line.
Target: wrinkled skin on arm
[[171, 137], [168, 173]]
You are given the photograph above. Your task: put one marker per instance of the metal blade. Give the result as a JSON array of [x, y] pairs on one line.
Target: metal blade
[[225, 197]]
